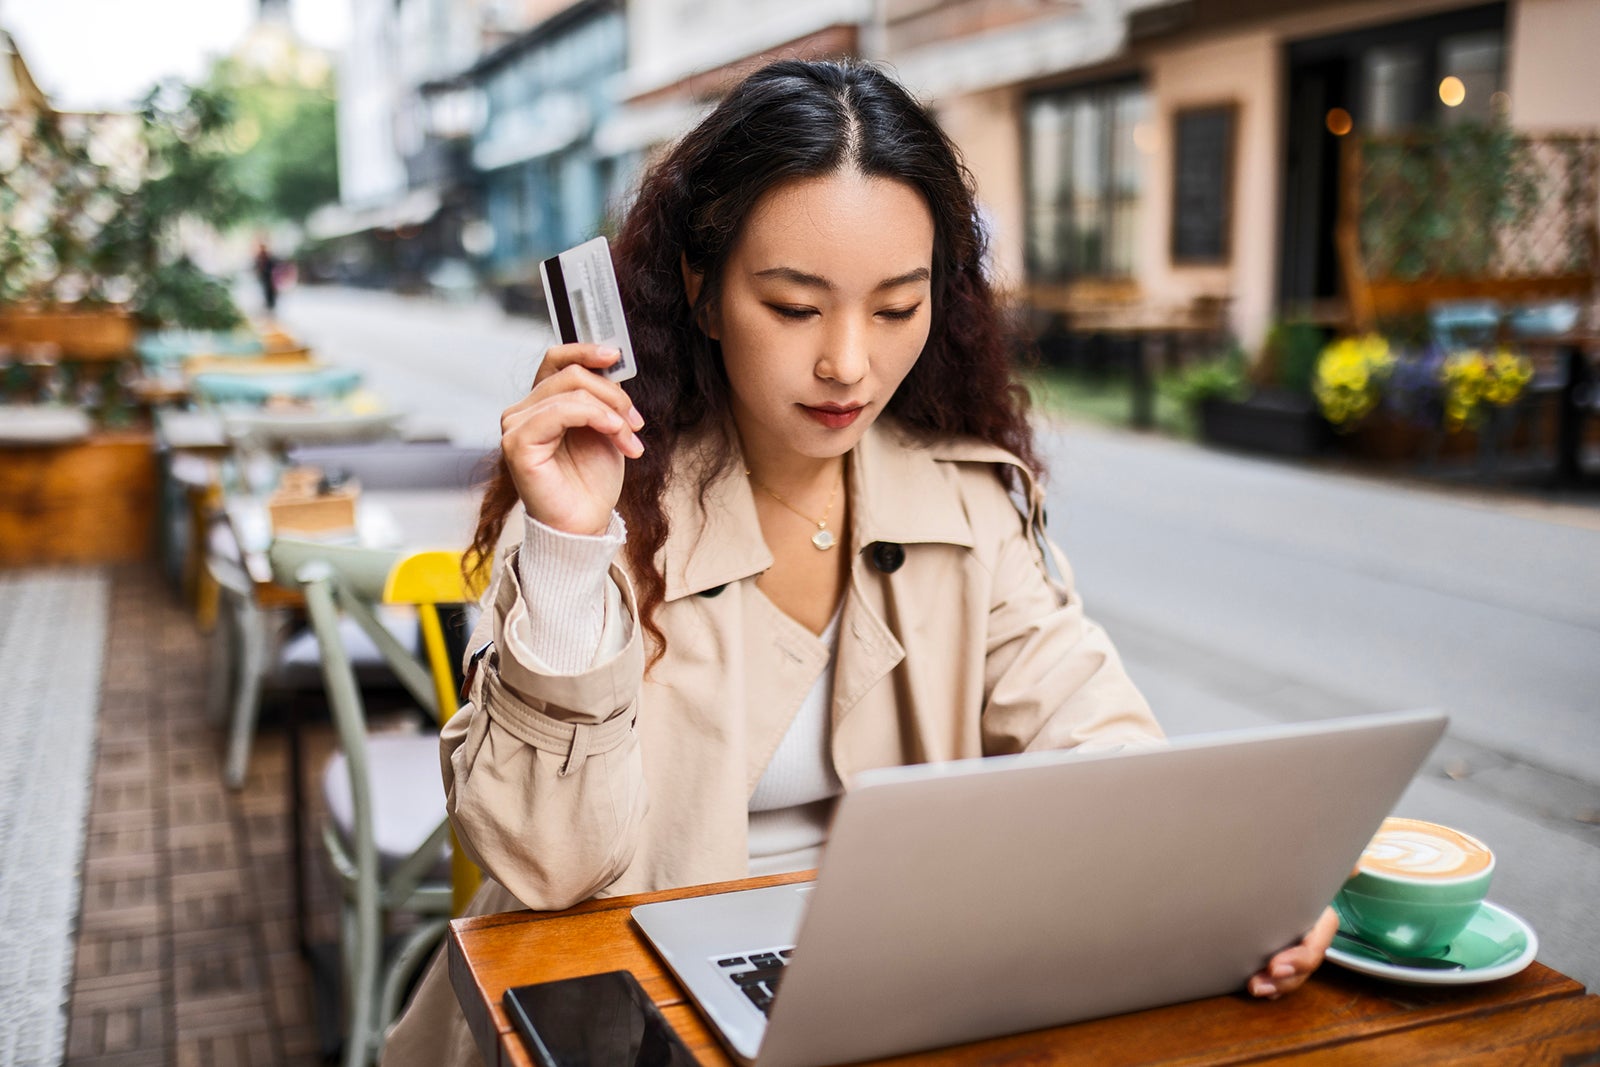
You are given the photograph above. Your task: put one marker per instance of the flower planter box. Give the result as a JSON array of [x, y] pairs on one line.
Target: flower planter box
[[1277, 424], [98, 334], [1385, 438], [88, 501]]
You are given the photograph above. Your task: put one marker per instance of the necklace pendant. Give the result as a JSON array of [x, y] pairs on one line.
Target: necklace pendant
[[823, 539]]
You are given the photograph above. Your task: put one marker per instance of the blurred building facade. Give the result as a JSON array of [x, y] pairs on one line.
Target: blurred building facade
[[546, 181], [1190, 151], [406, 184], [1161, 151]]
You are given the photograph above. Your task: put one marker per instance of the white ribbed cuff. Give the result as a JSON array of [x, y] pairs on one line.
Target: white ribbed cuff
[[564, 583]]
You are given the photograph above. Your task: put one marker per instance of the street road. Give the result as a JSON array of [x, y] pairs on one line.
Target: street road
[[1242, 592]]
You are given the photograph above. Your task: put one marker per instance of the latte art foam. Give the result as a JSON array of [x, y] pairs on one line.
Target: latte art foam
[[1410, 848]]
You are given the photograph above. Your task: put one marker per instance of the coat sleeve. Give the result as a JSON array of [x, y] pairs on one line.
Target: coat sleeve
[[1052, 677], [544, 781]]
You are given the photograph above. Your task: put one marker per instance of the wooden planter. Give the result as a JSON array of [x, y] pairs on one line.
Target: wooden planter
[[1276, 424], [1386, 438], [91, 501], [98, 334]]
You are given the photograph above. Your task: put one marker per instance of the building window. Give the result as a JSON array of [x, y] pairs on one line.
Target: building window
[[1477, 63], [1084, 180]]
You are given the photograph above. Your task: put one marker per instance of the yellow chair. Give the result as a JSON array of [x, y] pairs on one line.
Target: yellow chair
[[385, 838], [429, 580]]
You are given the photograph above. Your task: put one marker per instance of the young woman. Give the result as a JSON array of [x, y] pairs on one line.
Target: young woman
[[806, 540]]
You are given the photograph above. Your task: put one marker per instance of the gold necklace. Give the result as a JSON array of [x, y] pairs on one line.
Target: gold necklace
[[823, 539]]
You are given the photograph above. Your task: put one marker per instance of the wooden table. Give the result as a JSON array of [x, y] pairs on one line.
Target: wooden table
[[1537, 1016], [1152, 330]]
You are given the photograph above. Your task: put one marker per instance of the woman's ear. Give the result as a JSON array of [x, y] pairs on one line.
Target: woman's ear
[[692, 280]]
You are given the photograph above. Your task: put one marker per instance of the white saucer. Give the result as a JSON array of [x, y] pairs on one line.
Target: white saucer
[[1495, 944]]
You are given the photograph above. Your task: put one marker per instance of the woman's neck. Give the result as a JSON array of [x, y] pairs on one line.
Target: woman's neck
[[789, 473]]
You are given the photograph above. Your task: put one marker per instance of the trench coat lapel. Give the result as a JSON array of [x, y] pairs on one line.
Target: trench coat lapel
[[901, 493], [715, 550], [904, 495], [712, 544]]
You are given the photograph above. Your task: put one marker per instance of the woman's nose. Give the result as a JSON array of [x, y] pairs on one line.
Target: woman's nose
[[845, 358]]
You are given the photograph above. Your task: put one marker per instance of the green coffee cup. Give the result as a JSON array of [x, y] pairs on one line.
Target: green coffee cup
[[1416, 887]]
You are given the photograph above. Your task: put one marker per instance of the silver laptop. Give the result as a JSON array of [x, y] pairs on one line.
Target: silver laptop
[[965, 900]]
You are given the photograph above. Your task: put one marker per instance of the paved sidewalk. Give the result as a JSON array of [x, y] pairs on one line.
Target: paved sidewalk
[[186, 951]]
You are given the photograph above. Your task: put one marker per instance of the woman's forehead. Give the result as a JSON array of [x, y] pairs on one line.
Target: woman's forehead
[[845, 221]]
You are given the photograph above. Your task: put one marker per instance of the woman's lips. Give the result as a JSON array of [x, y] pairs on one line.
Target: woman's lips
[[833, 416]]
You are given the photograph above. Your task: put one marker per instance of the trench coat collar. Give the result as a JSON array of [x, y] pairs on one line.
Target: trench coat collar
[[900, 492]]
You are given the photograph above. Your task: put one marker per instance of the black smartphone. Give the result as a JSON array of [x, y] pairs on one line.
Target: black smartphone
[[598, 1020]]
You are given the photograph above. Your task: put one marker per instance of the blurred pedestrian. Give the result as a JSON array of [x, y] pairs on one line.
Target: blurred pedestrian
[[267, 275]]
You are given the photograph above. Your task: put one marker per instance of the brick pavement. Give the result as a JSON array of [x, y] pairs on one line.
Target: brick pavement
[[186, 948]]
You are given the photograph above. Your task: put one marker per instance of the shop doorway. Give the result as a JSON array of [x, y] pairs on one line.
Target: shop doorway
[[1383, 79]]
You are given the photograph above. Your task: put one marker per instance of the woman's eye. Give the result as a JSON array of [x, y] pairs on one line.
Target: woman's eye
[[788, 311], [900, 314]]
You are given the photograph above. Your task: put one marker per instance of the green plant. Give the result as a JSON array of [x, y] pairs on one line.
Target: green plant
[[187, 179], [1454, 202], [1222, 378], [92, 207], [1289, 356]]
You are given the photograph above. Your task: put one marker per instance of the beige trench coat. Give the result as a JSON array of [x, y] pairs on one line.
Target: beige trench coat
[[955, 641]]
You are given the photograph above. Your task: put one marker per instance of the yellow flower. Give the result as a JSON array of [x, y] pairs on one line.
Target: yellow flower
[[1349, 377], [1470, 378]]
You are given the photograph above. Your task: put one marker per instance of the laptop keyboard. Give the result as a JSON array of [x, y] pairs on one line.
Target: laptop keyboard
[[756, 974]]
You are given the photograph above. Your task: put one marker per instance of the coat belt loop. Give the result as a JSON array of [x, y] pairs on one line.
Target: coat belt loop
[[579, 749]]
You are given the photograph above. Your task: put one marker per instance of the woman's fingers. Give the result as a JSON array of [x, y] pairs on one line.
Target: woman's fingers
[[559, 357], [574, 378], [539, 428], [1289, 969]]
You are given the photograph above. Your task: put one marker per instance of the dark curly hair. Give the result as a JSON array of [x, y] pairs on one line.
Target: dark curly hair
[[787, 121]]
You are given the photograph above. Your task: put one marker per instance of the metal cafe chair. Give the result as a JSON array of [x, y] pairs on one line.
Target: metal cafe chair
[[256, 648], [386, 835], [250, 655]]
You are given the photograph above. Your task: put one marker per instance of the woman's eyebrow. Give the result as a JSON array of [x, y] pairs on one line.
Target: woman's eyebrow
[[814, 281]]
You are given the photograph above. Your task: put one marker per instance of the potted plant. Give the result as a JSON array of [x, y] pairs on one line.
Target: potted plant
[[1262, 408]]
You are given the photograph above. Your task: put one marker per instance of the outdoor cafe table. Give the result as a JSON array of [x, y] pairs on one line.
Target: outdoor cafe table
[[399, 519], [1537, 1016], [1152, 330]]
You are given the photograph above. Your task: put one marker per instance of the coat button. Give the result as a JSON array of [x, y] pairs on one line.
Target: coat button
[[887, 556], [715, 590]]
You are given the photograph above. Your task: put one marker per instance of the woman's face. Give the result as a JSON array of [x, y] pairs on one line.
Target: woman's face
[[825, 306]]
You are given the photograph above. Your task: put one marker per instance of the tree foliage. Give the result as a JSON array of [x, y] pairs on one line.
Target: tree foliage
[[95, 207], [284, 141]]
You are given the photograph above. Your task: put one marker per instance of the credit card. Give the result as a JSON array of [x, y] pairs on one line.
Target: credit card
[[580, 288]]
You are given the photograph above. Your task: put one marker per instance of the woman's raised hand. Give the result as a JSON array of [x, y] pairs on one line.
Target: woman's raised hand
[[565, 442]]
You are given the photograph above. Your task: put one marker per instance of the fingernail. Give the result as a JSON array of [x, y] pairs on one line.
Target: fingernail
[[614, 353], [1283, 970], [635, 419]]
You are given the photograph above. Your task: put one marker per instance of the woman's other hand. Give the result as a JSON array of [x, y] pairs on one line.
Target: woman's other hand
[[566, 441], [1289, 969]]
